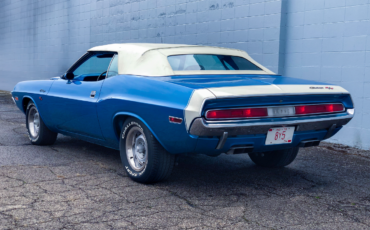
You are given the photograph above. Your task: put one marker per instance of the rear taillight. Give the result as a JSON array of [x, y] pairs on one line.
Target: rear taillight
[[274, 111], [325, 108], [237, 113]]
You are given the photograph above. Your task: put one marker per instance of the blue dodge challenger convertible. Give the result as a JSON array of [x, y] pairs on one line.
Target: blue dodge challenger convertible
[[153, 101]]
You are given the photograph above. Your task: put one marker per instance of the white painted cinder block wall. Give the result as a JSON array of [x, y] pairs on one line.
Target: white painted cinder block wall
[[325, 40], [329, 41], [41, 38]]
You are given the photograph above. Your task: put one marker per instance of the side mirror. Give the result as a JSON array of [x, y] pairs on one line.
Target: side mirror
[[69, 76]]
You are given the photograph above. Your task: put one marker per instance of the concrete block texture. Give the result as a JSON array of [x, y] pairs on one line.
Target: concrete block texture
[[324, 40], [327, 40], [40, 39]]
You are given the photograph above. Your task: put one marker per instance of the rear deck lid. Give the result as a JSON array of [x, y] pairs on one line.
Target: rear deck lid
[[254, 85]]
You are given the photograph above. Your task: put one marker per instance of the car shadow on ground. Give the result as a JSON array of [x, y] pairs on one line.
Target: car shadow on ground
[[201, 174]]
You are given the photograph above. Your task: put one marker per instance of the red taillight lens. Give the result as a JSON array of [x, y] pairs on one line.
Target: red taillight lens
[[237, 113], [270, 112], [327, 108]]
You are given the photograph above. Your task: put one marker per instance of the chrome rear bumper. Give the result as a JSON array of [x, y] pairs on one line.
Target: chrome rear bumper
[[202, 127]]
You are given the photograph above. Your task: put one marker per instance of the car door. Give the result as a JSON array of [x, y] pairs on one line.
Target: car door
[[72, 103]]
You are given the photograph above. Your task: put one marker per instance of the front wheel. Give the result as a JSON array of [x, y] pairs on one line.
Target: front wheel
[[38, 133], [278, 158], [142, 156]]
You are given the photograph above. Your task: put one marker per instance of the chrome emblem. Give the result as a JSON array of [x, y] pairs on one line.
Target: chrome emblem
[[317, 87]]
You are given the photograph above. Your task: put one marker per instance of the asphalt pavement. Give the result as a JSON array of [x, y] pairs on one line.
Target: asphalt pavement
[[78, 185]]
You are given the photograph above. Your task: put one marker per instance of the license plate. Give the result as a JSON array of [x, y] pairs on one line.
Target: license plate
[[281, 135]]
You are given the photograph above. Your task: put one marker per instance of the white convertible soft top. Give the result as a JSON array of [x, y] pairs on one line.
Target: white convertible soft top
[[150, 59]]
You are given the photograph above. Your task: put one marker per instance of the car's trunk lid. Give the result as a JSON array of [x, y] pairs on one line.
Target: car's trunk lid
[[223, 86]]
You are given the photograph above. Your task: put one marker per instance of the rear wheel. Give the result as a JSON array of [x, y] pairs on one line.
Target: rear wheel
[[278, 158], [142, 156], [38, 133]]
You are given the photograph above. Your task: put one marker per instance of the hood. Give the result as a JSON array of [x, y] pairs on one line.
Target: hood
[[250, 85]]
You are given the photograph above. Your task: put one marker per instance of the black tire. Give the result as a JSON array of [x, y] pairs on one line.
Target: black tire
[[159, 163], [275, 159], [44, 136]]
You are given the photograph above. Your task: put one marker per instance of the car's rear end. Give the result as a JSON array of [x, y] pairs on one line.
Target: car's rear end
[[269, 122], [252, 114], [240, 106]]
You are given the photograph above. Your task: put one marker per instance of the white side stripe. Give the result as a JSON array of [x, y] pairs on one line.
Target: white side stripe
[[195, 104]]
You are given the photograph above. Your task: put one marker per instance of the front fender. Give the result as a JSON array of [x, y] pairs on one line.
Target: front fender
[[24, 108], [36, 91]]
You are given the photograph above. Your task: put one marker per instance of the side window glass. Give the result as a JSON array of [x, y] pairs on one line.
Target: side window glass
[[113, 68], [94, 66]]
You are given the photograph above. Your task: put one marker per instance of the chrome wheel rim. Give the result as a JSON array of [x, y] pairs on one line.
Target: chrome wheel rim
[[136, 149], [34, 122]]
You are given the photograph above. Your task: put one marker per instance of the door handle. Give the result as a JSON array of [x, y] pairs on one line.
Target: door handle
[[93, 93]]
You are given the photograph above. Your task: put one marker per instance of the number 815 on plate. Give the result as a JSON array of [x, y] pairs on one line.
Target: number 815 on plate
[[281, 135]]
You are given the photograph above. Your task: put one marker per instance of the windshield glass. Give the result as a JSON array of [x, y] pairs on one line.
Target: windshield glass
[[95, 64], [209, 62]]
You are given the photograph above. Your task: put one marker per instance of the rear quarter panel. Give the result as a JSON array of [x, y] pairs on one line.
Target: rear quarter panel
[[151, 101]]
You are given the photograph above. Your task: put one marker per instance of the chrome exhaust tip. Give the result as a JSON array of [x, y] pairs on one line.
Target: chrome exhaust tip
[[309, 143], [240, 149]]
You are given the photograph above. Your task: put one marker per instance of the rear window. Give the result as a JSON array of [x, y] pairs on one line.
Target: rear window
[[209, 62]]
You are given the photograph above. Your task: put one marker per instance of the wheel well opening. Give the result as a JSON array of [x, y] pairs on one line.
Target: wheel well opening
[[25, 103], [118, 123]]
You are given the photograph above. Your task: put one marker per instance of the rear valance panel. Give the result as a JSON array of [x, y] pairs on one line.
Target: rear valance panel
[[345, 99]]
